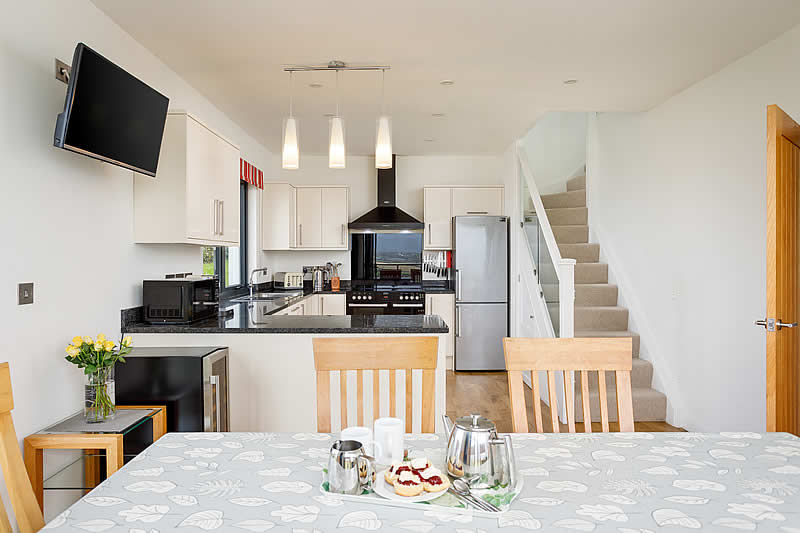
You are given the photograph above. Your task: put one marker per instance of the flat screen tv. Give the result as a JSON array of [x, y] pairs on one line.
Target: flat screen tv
[[111, 115]]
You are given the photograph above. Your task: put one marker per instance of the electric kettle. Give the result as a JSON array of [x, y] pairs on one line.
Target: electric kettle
[[475, 453]]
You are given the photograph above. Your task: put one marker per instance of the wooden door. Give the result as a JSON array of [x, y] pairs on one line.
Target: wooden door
[[438, 228], [477, 201], [309, 217], [783, 175], [334, 217]]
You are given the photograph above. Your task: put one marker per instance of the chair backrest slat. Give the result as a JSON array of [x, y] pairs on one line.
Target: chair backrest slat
[[375, 354], [567, 356], [587, 414], [23, 500]]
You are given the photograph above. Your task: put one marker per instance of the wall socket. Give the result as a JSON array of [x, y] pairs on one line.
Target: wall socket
[[25, 293]]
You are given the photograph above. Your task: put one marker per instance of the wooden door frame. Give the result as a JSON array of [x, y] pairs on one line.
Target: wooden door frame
[[783, 412]]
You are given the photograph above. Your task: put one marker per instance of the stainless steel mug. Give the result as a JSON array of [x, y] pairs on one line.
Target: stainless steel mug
[[350, 469]]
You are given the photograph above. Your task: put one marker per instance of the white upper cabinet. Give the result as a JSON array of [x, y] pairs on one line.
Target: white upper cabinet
[[335, 210], [438, 235], [194, 197], [444, 203], [477, 201], [278, 225], [309, 217]]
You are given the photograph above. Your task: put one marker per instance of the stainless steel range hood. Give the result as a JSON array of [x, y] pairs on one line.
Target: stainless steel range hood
[[387, 217]]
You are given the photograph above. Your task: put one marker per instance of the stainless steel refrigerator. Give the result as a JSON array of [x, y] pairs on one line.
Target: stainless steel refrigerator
[[480, 262]]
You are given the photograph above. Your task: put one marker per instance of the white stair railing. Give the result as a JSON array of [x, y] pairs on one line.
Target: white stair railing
[[544, 264]]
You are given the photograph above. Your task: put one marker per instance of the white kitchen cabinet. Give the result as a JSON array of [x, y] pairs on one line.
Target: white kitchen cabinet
[[194, 197], [437, 217], [443, 305], [332, 304], [477, 201], [278, 224], [309, 217], [335, 211]]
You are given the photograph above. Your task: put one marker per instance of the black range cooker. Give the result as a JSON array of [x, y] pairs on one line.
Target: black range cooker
[[384, 299]]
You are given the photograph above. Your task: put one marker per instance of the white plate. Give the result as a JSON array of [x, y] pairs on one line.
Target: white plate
[[386, 490]]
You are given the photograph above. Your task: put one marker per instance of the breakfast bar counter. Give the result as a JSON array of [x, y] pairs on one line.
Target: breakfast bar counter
[[631, 482]]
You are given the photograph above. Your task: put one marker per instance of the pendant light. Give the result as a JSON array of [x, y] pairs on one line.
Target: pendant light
[[291, 152], [383, 138], [336, 157]]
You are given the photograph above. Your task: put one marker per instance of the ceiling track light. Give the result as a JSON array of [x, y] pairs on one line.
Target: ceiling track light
[[383, 137], [336, 147], [336, 152], [291, 150]]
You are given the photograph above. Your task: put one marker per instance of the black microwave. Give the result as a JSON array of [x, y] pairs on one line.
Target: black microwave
[[180, 301]]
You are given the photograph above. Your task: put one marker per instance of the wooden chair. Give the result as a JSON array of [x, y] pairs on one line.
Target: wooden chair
[[375, 354], [582, 355], [23, 499]]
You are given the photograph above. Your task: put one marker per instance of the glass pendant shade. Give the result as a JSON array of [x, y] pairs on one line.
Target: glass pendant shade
[[383, 143], [336, 157], [291, 151]]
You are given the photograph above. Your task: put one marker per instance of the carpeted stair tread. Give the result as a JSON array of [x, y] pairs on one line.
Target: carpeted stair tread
[[576, 183], [589, 294], [562, 216], [591, 273], [582, 252], [593, 333], [601, 318], [649, 405], [565, 199], [573, 233]]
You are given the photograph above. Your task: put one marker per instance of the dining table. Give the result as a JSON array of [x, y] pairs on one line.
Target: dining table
[[621, 482]]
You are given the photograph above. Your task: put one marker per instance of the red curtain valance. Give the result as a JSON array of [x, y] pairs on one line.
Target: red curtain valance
[[251, 174]]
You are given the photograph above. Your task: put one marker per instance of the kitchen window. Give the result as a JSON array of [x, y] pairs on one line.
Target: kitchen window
[[229, 263]]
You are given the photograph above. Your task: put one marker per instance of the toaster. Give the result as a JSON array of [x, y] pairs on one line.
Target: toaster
[[287, 280]]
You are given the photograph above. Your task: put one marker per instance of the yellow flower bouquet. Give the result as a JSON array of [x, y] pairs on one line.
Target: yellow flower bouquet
[[97, 358]]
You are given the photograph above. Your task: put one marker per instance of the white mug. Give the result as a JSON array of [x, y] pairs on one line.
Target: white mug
[[360, 434], [388, 441]]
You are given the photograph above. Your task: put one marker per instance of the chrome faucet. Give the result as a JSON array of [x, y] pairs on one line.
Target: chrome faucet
[[252, 274]]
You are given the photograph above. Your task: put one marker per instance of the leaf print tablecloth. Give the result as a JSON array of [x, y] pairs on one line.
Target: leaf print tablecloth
[[621, 482]]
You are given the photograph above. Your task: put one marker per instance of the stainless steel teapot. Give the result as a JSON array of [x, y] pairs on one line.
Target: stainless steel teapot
[[475, 453]]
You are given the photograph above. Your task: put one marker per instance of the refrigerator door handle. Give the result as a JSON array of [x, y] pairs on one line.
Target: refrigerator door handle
[[458, 321], [458, 284]]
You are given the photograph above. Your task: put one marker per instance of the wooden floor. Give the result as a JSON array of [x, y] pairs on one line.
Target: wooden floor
[[486, 393]]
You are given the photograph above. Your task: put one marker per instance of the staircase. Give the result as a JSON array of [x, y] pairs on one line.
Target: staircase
[[596, 311]]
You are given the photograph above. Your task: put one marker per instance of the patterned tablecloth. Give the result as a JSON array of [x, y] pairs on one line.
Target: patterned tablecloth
[[630, 482]]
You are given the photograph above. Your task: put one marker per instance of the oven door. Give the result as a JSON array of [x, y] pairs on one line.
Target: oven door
[[407, 309], [355, 308]]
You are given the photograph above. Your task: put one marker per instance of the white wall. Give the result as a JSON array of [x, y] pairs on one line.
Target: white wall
[[413, 173], [69, 219], [556, 149], [677, 201]]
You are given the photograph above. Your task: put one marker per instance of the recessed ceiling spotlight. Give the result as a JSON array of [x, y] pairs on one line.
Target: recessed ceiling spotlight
[[315, 85], [428, 140], [437, 115], [570, 82], [446, 83]]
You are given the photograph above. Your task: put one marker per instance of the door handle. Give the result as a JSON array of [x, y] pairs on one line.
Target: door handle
[[214, 380], [458, 321], [773, 324], [214, 222], [300, 226], [342, 234], [429, 232], [458, 284], [221, 217], [477, 212]]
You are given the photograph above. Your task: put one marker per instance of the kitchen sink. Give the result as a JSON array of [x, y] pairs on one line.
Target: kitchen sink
[[261, 296]]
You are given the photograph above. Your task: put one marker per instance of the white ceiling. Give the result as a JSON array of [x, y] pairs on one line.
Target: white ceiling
[[508, 59]]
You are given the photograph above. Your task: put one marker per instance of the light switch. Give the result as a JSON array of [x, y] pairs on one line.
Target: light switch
[[25, 293]]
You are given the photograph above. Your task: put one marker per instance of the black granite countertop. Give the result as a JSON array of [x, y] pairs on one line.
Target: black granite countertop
[[258, 318]]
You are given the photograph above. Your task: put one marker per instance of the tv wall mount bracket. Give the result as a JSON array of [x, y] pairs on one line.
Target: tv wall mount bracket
[[62, 71]]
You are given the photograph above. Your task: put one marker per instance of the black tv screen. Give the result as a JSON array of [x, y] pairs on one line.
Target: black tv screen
[[111, 115]]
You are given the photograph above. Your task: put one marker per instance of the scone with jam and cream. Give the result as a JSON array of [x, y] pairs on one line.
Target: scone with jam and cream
[[408, 484], [394, 471], [433, 480]]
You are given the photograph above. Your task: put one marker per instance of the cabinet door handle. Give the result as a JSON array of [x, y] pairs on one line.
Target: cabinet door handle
[[221, 217], [477, 212], [429, 232], [214, 218], [342, 234], [300, 227]]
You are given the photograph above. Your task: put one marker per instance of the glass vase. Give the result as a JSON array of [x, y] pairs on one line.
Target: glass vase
[[99, 397]]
